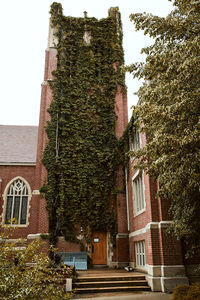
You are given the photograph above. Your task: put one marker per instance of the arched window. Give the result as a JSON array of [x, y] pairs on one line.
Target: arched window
[[17, 203]]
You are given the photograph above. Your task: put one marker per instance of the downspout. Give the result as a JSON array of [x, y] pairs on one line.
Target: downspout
[[127, 199]]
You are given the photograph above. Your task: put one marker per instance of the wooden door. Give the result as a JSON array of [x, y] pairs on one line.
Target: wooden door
[[99, 248]]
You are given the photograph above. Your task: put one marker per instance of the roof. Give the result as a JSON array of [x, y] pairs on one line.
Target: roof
[[18, 144]]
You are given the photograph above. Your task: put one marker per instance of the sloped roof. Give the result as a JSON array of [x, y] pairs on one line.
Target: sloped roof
[[18, 144]]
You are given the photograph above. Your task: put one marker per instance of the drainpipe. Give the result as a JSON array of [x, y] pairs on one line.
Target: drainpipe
[[0, 185], [127, 199]]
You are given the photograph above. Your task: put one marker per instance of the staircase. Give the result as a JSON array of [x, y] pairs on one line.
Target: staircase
[[108, 283]]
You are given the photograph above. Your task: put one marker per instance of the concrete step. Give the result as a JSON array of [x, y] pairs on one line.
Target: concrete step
[[106, 283], [109, 283], [112, 289], [111, 278]]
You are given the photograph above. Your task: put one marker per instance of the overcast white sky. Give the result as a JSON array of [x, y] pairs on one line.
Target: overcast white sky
[[24, 32]]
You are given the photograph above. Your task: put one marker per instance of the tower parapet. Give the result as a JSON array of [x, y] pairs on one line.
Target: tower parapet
[[52, 38]]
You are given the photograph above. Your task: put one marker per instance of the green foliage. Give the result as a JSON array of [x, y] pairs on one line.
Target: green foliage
[[124, 142], [186, 292], [168, 112], [82, 156], [25, 272]]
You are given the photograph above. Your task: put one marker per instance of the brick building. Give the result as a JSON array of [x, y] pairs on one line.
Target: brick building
[[142, 218], [151, 248]]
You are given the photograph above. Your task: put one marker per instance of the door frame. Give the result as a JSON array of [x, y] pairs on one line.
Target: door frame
[[106, 246]]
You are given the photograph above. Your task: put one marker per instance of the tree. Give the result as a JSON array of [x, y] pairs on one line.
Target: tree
[[25, 272], [168, 112]]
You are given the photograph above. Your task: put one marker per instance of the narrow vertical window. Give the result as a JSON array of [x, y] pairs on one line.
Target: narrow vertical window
[[140, 254], [16, 203], [138, 194], [135, 141]]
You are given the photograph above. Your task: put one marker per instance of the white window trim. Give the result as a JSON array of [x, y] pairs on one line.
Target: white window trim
[[140, 254], [5, 202], [135, 213], [131, 148]]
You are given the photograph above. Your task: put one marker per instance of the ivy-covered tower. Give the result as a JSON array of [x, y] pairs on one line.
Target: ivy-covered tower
[[83, 115]]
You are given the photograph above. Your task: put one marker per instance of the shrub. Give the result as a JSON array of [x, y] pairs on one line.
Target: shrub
[[25, 271], [179, 292], [186, 292], [194, 292]]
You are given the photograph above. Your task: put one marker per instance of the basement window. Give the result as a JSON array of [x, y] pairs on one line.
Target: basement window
[[140, 254]]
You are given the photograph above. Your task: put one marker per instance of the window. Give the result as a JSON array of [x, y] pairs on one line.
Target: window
[[138, 194], [140, 253], [17, 203], [135, 141]]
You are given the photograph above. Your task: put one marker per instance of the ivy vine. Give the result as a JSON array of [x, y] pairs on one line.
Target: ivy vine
[[82, 156]]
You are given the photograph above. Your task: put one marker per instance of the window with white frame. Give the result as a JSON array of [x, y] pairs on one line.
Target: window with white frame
[[135, 141], [138, 194], [140, 254], [17, 203]]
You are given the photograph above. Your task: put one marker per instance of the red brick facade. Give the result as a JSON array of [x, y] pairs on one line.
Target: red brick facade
[[163, 254]]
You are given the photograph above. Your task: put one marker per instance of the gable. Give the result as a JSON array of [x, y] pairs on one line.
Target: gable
[[18, 144]]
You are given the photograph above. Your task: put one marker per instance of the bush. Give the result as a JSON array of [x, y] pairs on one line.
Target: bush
[[194, 292], [25, 271], [179, 292], [186, 292]]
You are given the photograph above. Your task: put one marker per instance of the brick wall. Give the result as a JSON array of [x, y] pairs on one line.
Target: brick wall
[[8, 173], [46, 98], [150, 225]]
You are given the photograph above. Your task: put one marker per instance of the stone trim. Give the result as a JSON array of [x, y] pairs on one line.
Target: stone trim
[[168, 284], [13, 240], [33, 236], [17, 164], [165, 224], [165, 278], [165, 271], [153, 270], [151, 225], [137, 232], [52, 39], [36, 192], [122, 235]]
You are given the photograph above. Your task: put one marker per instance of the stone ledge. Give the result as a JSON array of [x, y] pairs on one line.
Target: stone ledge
[[33, 236], [168, 284], [165, 284], [166, 271]]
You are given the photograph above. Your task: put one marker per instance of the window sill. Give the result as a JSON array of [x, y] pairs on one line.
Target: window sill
[[139, 213], [132, 159], [16, 225]]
